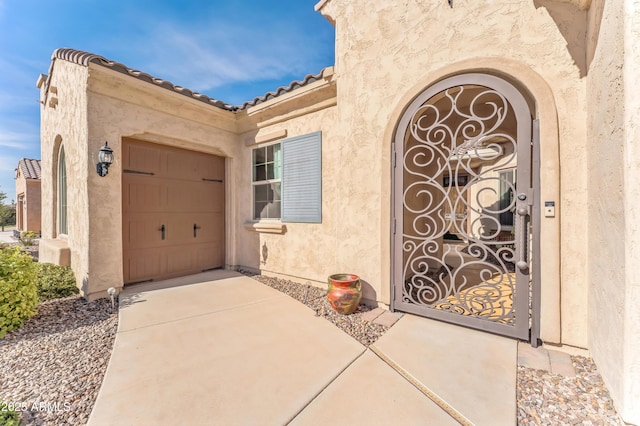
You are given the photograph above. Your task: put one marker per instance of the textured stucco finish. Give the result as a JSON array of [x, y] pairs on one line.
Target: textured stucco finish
[[66, 125], [576, 63], [94, 105], [391, 49], [153, 116], [395, 53], [614, 211], [31, 208]]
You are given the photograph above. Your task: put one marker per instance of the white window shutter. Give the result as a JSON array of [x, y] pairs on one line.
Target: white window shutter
[[302, 178]]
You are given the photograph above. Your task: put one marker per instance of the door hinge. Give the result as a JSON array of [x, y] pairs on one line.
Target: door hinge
[[394, 226], [137, 172]]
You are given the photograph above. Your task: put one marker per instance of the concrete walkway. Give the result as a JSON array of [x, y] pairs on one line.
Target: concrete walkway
[[221, 348], [7, 237]]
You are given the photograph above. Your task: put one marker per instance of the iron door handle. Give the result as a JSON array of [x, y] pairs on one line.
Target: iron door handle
[[162, 229], [522, 263], [195, 230]]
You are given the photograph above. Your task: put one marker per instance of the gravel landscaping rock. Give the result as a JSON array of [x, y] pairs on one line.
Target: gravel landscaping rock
[[545, 398], [51, 369]]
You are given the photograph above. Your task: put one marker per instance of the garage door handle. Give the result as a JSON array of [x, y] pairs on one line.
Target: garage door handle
[[162, 229], [195, 229]]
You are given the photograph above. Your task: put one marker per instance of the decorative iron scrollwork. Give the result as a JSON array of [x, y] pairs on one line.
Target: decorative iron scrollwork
[[465, 131]]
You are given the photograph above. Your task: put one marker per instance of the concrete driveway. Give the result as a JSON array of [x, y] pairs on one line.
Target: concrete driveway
[[220, 348]]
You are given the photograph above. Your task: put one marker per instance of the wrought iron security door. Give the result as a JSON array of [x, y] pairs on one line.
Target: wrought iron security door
[[462, 202]]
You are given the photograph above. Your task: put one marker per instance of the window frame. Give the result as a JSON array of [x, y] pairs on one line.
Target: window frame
[[62, 193], [264, 182]]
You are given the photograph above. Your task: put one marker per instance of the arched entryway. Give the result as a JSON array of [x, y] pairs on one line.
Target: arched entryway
[[464, 206]]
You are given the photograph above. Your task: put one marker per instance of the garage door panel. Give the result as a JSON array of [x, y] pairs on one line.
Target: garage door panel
[[210, 197], [141, 231], [178, 196], [211, 168], [208, 225], [180, 228], [181, 260], [209, 256], [142, 265], [200, 197], [144, 158], [182, 165], [144, 195]]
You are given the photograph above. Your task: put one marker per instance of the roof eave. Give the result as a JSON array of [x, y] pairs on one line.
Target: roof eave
[[319, 8]]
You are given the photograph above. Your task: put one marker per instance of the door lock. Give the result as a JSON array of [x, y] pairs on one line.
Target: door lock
[[522, 196]]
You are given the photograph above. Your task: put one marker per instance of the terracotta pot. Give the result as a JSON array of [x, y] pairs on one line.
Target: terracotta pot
[[344, 292]]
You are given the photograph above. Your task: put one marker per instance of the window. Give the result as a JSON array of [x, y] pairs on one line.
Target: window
[[287, 180], [62, 193], [507, 189], [267, 167], [20, 211]]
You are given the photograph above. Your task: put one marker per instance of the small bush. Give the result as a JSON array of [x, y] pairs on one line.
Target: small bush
[[8, 416], [18, 289], [55, 281], [28, 237]]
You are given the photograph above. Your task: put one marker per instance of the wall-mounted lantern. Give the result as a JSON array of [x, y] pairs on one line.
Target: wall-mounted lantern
[[105, 158]]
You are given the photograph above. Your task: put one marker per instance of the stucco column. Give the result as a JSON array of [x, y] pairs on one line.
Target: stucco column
[[631, 160]]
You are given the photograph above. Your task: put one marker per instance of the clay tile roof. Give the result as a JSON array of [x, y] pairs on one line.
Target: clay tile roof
[[85, 58], [308, 79], [30, 168]]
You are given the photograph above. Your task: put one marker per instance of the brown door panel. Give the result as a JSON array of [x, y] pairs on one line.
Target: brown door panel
[[210, 256], [185, 189], [143, 157], [141, 265], [144, 230]]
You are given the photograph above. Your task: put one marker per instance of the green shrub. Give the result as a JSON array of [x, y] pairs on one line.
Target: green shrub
[[55, 281], [27, 238], [18, 289], [8, 416]]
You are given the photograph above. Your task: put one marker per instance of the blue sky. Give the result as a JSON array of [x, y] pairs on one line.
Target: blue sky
[[231, 50]]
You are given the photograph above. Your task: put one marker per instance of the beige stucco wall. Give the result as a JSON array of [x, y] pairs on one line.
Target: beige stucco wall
[[64, 122], [97, 105], [614, 210], [575, 67], [381, 55], [631, 389], [306, 251], [31, 207], [383, 59], [119, 106]]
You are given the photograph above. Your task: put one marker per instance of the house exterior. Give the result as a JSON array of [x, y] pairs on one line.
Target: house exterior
[[28, 209], [473, 163]]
